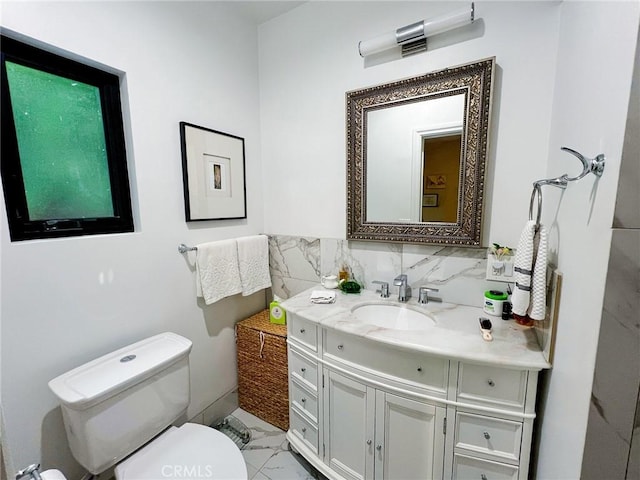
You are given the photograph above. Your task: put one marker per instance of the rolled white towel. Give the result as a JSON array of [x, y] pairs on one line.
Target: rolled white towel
[[522, 265]]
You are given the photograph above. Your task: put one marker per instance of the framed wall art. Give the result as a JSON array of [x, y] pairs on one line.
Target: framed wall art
[[436, 181], [430, 200], [213, 169]]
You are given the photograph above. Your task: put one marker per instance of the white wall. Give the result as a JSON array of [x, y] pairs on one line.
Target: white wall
[[563, 78], [67, 301], [593, 80], [309, 59]]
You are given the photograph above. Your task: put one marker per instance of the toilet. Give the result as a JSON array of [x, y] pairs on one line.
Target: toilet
[[118, 410]]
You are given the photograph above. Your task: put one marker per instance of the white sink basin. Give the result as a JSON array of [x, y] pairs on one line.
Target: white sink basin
[[393, 316]]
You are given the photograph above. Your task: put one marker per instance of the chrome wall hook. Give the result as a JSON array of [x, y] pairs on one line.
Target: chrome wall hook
[[589, 165]]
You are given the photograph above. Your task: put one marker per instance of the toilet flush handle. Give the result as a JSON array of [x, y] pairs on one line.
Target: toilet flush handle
[[32, 471]]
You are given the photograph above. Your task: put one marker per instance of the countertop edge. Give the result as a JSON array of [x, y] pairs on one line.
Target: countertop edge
[[511, 347]]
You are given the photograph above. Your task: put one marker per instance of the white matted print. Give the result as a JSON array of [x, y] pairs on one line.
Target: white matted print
[[213, 170], [217, 175]]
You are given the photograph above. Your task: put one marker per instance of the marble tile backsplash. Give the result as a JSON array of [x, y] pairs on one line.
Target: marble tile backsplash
[[294, 263], [297, 263]]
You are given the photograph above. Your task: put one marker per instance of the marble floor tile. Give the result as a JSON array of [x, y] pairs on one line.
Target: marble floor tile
[[285, 465], [259, 476], [268, 456]]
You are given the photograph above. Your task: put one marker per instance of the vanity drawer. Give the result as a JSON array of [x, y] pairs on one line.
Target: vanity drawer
[[467, 468], [304, 400], [493, 436], [303, 429], [303, 332], [303, 369], [493, 386], [425, 371]]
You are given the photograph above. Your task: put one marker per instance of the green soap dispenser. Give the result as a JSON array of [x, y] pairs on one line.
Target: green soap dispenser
[[277, 314]]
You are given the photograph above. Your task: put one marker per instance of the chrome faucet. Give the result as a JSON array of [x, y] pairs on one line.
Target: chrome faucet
[[423, 294], [404, 290]]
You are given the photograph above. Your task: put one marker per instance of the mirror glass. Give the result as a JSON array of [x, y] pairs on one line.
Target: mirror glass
[[416, 154]]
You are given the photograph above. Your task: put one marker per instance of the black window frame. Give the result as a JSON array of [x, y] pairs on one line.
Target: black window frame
[[108, 84]]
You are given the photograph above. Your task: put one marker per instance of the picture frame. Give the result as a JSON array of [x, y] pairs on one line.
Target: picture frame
[[437, 181], [430, 200], [213, 170]]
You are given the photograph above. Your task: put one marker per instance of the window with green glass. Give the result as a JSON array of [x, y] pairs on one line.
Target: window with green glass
[[64, 169]]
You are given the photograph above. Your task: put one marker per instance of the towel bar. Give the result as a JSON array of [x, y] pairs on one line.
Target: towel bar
[[182, 248]]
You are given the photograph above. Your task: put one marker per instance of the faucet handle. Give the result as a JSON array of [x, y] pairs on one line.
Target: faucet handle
[[400, 279], [423, 294], [384, 288]]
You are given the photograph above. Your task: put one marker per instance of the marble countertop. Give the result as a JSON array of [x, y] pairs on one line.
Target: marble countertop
[[455, 333]]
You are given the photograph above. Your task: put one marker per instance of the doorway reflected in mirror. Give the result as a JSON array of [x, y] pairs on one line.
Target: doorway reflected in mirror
[[441, 174]]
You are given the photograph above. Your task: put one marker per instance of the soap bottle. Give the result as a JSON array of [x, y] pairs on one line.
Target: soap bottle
[[343, 274]]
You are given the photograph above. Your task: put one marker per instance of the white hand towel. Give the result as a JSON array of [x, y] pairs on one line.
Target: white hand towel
[[253, 261], [522, 264], [538, 305], [323, 296], [217, 274]]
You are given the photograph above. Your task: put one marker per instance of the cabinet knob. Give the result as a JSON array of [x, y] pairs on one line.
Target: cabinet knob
[[303, 369], [486, 435], [302, 330], [340, 347], [491, 383], [379, 447], [303, 400], [369, 442], [304, 429], [483, 477], [419, 369]]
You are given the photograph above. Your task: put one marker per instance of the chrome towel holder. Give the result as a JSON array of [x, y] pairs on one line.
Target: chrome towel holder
[[589, 165], [182, 248]]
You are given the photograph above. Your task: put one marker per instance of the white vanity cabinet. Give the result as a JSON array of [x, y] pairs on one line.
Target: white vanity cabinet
[[305, 376], [494, 414], [371, 433], [362, 409]]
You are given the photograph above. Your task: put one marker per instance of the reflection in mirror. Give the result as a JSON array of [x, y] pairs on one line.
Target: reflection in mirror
[[441, 178], [396, 156], [416, 153]]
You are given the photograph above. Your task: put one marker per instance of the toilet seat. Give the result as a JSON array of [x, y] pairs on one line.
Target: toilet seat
[[190, 451]]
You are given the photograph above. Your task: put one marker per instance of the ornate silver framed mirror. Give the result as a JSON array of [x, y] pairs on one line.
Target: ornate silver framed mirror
[[416, 156]]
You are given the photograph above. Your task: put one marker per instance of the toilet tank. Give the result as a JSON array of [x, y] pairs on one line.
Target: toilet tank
[[113, 405]]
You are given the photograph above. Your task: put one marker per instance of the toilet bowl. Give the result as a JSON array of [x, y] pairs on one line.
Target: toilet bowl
[[120, 410], [190, 451]]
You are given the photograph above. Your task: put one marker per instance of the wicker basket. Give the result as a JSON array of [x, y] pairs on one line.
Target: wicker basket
[[263, 387]]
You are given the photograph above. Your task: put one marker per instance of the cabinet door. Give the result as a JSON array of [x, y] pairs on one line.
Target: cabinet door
[[409, 439], [349, 422]]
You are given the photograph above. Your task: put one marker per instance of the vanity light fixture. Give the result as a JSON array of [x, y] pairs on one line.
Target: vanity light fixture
[[413, 38]]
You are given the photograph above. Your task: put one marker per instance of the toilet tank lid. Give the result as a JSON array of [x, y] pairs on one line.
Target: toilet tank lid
[[114, 372]]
